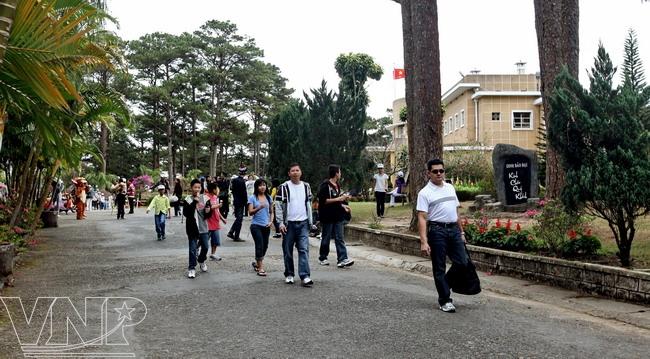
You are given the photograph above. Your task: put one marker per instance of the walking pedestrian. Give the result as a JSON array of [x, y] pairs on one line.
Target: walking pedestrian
[[440, 229], [214, 220], [224, 194], [120, 197], [331, 210], [130, 194], [381, 186], [293, 211], [259, 206], [240, 198], [178, 192], [161, 209], [196, 208], [81, 188]]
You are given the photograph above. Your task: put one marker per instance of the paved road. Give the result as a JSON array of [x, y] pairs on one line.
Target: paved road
[[367, 311]]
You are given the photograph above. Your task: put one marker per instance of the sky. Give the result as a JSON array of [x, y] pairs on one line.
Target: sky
[[304, 37]]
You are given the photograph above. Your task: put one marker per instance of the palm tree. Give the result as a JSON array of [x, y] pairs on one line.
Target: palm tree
[[7, 12], [47, 42]]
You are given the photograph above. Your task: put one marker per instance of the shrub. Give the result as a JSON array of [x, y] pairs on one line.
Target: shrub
[[581, 245], [499, 236]]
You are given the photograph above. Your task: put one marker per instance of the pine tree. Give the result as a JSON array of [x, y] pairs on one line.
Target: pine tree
[[633, 76]]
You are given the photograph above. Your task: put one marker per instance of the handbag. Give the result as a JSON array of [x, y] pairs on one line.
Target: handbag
[[173, 199], [463, 279]]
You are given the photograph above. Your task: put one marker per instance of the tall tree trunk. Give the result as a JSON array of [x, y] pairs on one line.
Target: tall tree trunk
[[21, 189], [170, 142], [45, 192], [103, 144], [195, 152], [103, 137], [556, 22], [423, 94]]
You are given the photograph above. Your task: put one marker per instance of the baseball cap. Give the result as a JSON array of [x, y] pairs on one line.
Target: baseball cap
[[400, 174], [160, 187], [380, 165]]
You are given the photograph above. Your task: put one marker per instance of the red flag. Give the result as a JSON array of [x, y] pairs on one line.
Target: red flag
[[398, 74]]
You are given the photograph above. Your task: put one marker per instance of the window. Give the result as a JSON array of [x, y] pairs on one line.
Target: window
[[496, 116], [456, 122], [462, 118], [522, 120], [451, 124]]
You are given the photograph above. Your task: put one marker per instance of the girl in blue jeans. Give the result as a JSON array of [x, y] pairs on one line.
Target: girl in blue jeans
[[259, 206]]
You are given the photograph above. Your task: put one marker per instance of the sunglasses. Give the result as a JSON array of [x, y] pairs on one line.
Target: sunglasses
[[435, 172]]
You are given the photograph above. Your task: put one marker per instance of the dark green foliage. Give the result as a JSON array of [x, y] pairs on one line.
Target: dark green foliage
[[328, 128], [581, 245], [603, 143]]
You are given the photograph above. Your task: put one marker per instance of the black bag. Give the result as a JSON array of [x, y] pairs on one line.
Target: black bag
[[463, 279]]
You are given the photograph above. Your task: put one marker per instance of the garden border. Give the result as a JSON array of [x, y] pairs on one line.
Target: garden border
[[612, 282]]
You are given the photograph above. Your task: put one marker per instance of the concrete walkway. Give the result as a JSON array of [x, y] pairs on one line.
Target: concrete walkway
[[375, 309]]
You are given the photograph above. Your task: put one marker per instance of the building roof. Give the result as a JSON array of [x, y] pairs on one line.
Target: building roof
[[480, 94], [458, 90]]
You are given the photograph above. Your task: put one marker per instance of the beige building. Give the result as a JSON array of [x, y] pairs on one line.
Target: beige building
[[481, 111]]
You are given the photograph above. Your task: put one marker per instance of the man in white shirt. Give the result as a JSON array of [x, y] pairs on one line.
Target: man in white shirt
[[381, 187], [293, 215], [440, 229]]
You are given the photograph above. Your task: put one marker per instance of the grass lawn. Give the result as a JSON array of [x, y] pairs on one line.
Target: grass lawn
[[365, 212], [398, 217]]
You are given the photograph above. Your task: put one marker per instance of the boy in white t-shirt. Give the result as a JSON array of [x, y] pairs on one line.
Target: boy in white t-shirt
[[441, 233], [381, 187]]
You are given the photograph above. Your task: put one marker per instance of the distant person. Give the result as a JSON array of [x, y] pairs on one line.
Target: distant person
[[250, 182], [440, 230], [161, 209], [331, 210], [398, 190], [130, 195], [240, 198], [259, 206], [178, 192], [293, 211], [381, 187], [196, 209], [224, 194], [120, 197], [214, 220]]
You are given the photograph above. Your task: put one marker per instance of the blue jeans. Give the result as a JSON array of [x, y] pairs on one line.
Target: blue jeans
[[239, 218], [297, 235], [336, 230], [445, 242], [215, 238], [261, 237], [159, 220], [203, 240]]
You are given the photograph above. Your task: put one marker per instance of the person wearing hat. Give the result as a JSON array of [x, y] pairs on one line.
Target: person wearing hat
[[81, 190], [240, 198], [398, 191], [381, 187], [120, 197], [161, 209]]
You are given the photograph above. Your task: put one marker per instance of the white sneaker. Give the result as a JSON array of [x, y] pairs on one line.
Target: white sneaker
[[191, 273], [448, 307], [288, 280], [324, 262], [307, 282], [204, 267], [347, 262]]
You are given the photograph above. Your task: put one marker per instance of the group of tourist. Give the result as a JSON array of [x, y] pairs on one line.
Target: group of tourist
[[290, 209]]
